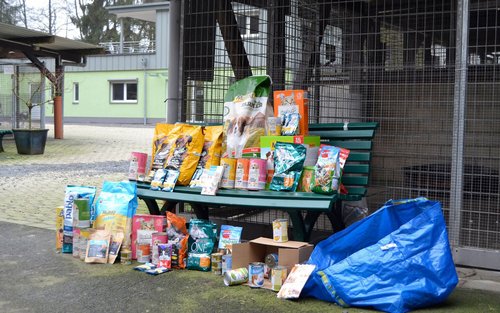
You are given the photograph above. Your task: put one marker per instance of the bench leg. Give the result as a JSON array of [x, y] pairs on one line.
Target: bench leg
[[1, 140], [152, 206], [168, 206], [335, 217], [302, 228], [201, 211]]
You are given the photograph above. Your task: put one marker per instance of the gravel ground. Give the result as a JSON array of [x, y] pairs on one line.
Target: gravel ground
[[33, 186]]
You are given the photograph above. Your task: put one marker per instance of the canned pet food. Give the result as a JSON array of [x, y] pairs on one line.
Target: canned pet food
[[227, 263], [217, 263], [156, 239], [236, 277], [257, 174], [256, 274], [137, 167], [125, 256], [280, 230], [229, 172], [270, 262], [278, 277], [241, 177]]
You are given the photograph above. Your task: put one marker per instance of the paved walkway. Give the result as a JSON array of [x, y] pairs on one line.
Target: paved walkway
[[33, 186]]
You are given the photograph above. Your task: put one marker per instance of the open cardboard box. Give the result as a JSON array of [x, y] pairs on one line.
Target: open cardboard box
[[289, 253]]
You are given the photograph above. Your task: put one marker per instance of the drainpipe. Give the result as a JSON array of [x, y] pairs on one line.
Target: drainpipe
[[174, 25], [145, 65]]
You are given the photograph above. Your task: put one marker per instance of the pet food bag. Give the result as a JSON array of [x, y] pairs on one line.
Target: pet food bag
[[201, 242], [163, 141], [245, 114], [396, 260], [288, 164], [178, 237], [115, 207], [211, 153], [185, 153], [73, 192], [114, 248], [326, 170]]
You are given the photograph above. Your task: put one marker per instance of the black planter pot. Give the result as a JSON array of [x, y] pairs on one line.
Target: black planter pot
[[30, 141]]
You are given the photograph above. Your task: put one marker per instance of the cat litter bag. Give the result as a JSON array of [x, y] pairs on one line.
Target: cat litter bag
[[396, 260]]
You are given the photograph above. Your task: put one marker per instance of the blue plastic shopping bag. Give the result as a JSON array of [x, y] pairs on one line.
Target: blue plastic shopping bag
[[396, 260]]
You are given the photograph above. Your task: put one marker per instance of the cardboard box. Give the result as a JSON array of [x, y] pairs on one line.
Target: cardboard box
[[147, 222], [289, 253], [293, 101]]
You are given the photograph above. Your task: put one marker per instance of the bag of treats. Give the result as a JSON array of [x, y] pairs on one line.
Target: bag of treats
[[290, 126], [288, 163], [114, 248], [185, 153], [98, 246], [245, 105], [325, 169]]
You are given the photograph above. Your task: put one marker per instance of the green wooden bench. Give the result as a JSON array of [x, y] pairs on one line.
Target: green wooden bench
[[4, 132], [354, 136]]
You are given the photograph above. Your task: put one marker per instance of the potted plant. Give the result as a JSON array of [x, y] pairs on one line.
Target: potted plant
[[30, 140]]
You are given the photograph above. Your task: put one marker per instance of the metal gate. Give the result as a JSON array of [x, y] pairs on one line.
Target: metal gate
[[426, 70], [21, 83]]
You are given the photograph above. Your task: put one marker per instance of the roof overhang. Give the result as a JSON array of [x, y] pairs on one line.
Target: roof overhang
[[16, 42], [144, 12]]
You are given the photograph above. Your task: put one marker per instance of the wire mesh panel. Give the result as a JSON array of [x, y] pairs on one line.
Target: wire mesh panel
[[21, 85], [388, 61]]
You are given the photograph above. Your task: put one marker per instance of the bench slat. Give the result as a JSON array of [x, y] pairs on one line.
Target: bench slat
[[234, 197], [345, 134], [355, 180], [351, 145], [340, 126], [355, 156], [356, 168]]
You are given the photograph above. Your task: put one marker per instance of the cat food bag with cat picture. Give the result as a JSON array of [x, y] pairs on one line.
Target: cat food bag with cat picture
[[293, 101], [185, 153], [163, 140], [245, 105], [210, 155]]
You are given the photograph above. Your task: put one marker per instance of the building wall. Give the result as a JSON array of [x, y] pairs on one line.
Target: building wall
[[95, 104]]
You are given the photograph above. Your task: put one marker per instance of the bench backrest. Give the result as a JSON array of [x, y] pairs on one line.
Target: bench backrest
[[358, 138]]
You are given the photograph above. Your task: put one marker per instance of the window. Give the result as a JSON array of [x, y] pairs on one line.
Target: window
[[124, 91], [76, 93], [35, 92], [248, 23]]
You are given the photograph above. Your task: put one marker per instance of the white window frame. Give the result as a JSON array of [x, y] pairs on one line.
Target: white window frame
[[125, 82], [76, 92]]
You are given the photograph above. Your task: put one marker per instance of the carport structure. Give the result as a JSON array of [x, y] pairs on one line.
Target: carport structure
[[19, 43]]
